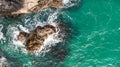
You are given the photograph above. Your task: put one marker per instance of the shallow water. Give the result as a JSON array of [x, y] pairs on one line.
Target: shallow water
[[93, 39]]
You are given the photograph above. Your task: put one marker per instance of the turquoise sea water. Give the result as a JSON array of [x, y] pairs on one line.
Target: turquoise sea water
[[93, 42]]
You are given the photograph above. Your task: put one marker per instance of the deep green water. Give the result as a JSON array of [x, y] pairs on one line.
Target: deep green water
[[93, 42]]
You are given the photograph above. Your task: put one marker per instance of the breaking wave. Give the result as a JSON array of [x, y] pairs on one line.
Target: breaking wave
[[13, 31]]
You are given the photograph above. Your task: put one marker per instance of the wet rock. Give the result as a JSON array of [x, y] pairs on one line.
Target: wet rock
[[22, 36], [34, 40], [16, 7]]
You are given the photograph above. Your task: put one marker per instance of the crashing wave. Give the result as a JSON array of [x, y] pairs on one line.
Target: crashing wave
[[50, 41], [14, 31]]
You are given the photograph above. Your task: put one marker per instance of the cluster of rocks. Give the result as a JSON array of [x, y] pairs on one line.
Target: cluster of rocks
[[35, 39], [16, 7]]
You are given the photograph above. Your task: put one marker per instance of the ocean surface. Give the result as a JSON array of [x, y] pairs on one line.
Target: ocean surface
[[93, 38]]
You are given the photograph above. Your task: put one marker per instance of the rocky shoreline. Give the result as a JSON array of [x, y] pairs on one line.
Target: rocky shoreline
[[35, 39], [16, 7]]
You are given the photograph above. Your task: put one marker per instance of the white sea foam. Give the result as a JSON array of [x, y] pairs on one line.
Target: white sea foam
[[70, 3], [65, 1], [52, 17], [13, 41], [23, 28], [3, 62], [1, 34]]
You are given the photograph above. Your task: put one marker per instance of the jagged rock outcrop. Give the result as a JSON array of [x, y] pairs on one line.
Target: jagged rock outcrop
[[15, 7], [35, 39]]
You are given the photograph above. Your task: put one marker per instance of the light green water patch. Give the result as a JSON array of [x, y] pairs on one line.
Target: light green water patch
[[96, 43]]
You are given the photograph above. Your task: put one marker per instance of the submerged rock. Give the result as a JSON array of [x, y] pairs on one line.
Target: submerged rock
[[16, 7], [35, 39]]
